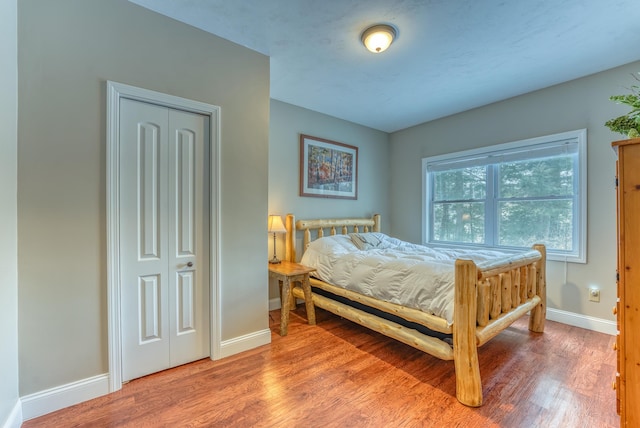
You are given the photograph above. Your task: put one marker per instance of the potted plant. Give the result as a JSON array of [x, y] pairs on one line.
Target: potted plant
[[629, 124]]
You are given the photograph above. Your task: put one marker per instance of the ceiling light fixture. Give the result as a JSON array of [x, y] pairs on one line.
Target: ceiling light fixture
[[379, 37]]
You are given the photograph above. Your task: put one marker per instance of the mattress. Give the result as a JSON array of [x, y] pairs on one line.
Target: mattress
[[388, 269]]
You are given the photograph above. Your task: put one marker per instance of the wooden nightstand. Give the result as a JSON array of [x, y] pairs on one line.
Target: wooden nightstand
[[287, 273]]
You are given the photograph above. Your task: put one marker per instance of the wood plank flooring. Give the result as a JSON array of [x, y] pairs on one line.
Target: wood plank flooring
[[338, 374]]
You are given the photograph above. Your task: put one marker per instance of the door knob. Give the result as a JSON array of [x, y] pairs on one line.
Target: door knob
[[190, 264]]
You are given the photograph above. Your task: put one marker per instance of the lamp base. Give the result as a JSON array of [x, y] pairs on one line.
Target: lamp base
[[275, 259]]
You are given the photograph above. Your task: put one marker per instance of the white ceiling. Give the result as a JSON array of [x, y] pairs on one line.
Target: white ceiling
[[450, 55]]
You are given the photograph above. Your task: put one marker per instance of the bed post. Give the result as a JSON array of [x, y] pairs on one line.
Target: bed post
[[376, 223], [539, 313], [465, 349], [290, 238]]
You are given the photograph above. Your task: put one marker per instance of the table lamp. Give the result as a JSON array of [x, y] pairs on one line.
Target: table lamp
[[275, 226]]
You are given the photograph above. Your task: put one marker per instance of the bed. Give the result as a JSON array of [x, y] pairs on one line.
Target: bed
[[488, 296]]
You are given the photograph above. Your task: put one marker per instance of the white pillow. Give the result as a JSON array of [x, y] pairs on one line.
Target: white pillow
[[332, 244]]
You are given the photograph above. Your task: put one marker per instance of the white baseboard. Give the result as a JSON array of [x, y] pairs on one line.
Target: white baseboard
[[244, 343], [584, 321], [50, 400], [15, 416], [274, 304]]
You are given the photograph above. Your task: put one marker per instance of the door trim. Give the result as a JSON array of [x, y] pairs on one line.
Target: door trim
[[116, 91]]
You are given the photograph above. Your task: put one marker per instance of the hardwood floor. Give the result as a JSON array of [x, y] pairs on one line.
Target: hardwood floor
[[338, 374]]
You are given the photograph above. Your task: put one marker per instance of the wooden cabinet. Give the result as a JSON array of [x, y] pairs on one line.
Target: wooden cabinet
[[627, 382]]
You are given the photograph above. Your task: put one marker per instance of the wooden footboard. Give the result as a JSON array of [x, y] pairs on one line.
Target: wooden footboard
[[489, 297]]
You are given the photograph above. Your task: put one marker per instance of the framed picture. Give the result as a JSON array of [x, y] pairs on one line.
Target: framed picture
[[328, 169]]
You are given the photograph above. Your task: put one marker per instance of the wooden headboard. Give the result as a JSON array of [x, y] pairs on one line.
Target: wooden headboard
[[318, 226]]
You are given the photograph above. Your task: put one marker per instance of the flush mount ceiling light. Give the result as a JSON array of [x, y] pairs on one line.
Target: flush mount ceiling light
[[379, 37]]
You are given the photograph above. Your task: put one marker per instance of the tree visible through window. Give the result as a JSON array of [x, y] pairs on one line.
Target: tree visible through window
[[510, 196], [459, 205]]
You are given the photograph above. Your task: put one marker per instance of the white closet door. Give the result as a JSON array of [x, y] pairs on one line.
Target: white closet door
[[164, 212], [188, 237]]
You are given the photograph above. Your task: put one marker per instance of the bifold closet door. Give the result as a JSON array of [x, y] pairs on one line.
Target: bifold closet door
[[164, 230]]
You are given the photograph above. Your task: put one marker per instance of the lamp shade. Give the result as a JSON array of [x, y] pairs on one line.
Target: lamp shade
[[276, 225], [378, 38]]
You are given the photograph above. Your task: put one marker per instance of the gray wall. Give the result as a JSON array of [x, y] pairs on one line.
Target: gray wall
[[581, 103], [67, 50], [287, 123], [8, 209]]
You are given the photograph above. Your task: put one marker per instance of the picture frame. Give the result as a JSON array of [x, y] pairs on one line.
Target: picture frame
[[328, 169]]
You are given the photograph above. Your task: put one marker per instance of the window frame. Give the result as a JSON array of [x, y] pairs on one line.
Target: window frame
[[481, 156]]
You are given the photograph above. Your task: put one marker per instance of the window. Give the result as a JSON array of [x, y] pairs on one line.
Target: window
[[510, 196]]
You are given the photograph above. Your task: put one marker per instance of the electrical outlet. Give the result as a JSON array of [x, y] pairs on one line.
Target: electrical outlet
[[594, 294]]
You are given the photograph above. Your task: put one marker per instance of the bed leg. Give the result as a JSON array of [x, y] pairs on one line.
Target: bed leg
[[539, 313], [465, 350]]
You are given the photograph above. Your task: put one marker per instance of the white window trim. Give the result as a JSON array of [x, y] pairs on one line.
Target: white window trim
[[580, 136]]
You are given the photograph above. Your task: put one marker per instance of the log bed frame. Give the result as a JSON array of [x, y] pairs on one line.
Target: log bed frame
[[489, 297]]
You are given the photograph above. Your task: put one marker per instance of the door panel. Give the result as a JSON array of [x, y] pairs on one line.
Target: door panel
[[185, 303], [148, 177], [143, 252], [185, 195], [164, 229], [149, 311], [188, 236]]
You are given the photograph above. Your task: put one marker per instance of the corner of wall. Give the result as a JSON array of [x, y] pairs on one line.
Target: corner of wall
[[14, 419]]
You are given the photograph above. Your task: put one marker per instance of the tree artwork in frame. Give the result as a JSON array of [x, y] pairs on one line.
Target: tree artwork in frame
[[328, 169]]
